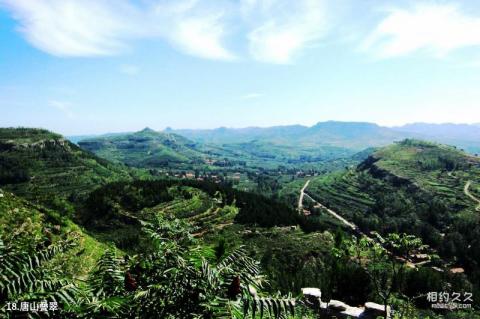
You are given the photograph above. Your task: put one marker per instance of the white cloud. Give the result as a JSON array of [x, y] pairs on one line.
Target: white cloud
[[195, 27], [436, 28], [63, 107], [251, 96], [71, 28], [285, 29], [129, 69], [201, 37], [108, 27], [276, 30]]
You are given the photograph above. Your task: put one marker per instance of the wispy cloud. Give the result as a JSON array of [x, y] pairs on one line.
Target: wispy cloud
[[73, 28], [251, 96], [277, 30], [195, 27], [201, 37], [63, 107], [272, 31], [108, 27], [285, 28], [436, 28]]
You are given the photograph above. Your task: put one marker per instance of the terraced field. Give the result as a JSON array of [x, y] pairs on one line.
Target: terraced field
[[423, 169], [205, 212], [434, 167], [340, 191], [45, 164], [471, 196], [32, 222]]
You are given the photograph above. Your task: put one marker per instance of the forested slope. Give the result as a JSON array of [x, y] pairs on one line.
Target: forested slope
[[43, 166], [186, 248], [417, 188]]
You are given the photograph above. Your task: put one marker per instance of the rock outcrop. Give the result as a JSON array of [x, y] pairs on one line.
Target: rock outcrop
[[339, 309]]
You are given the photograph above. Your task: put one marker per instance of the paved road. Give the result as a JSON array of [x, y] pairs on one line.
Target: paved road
[[317, 204], [355, 227], [302, 193], [334, 214], [467, 192]]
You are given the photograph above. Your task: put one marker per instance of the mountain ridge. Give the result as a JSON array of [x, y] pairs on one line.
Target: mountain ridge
[[145, 148], [315, 135], [466, 136], [35, 163], [415, 187]]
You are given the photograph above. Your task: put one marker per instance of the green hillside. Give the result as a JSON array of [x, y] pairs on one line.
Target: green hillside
[[36, 227], [125, 205], [413, 166], [466, 136], [47, 257], [293, 249], [292, 146], [136, 239], [37, 164], [265, 153], [116, 212], [172, 152], [146, 148], [421, 188]]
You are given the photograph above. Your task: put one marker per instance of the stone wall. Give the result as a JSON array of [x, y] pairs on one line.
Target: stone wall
[[338, 309]]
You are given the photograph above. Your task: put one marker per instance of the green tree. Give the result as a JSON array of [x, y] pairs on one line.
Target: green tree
[[383, 261], [28, 276]]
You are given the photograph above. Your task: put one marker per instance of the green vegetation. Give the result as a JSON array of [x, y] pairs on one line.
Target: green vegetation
[[146, 148], [105, 240], [171, 152], [44, 167], [269, 169], [208, 205], [172, 279], [33, 224], [382, 265], [412, 187]]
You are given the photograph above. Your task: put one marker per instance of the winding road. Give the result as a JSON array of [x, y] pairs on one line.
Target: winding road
[[335, 215], [317, 204], [467, 192], [357, 230], [302, 193]]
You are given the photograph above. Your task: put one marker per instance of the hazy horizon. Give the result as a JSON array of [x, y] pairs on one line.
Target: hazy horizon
[[261, 127]]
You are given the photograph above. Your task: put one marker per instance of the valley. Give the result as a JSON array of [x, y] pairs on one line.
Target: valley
[[111, 197], [239, 159]]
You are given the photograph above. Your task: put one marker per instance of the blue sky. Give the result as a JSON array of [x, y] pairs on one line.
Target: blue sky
[[95, 66]]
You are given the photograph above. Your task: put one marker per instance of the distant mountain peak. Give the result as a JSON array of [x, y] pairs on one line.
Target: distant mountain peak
[[147, 130], [345, 123], [145, 148]]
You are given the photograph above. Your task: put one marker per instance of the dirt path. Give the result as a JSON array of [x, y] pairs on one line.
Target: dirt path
[[302, 193], [355, 227], [334, 214], [317, 204], [467, 192]]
